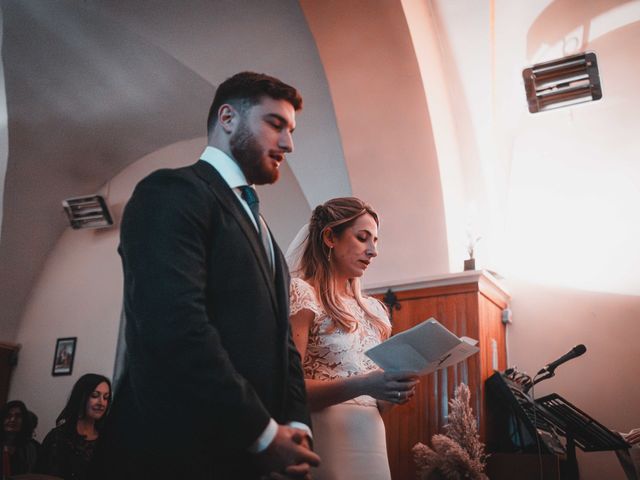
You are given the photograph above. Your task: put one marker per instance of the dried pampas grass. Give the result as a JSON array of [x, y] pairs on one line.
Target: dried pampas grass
[[457, 455]]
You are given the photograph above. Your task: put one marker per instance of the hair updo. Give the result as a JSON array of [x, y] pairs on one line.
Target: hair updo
[[336, 215]]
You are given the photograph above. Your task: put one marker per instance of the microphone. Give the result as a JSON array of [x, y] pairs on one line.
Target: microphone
[[573, 353]]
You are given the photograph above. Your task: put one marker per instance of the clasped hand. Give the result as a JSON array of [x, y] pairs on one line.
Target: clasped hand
[[289, 456]]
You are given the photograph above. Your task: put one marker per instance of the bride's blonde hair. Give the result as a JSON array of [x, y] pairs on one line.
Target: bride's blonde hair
[[336, 215]]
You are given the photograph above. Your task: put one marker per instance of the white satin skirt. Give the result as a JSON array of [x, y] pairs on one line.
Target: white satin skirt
[[350, 440]]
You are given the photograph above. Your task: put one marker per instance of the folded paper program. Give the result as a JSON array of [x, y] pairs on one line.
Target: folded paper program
[[425, 348]]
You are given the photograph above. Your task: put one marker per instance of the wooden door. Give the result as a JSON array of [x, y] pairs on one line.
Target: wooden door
[[8, 360]]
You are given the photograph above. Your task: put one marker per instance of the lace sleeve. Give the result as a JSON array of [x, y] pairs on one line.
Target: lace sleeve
[[302, 296]]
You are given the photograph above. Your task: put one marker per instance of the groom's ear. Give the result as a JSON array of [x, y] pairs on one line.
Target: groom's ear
[[228, 117]]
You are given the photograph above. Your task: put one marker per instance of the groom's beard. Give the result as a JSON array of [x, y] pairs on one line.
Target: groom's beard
[[253, 160]]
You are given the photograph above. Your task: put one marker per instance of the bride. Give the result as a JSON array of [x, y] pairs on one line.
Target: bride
[[333, 324]]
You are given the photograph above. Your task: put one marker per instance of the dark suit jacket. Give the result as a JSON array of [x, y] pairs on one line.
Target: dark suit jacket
[[209, 352]]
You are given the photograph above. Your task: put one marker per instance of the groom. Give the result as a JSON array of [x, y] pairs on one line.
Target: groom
[[213, 386]]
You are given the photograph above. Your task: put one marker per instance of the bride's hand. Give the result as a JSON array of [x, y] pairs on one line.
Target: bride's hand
[[396, 387]]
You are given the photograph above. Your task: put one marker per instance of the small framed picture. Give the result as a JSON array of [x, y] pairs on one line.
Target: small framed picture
[[63, 357]]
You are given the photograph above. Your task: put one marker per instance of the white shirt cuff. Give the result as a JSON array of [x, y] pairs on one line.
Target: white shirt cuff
[[301, 426], [269, 433], [265, 438]]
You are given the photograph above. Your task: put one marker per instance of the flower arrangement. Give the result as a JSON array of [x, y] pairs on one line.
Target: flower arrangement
[[459, 453]]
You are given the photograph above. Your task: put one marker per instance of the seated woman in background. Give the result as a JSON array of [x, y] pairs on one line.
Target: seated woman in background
[[332, 325], [67, 449], [19, 454]]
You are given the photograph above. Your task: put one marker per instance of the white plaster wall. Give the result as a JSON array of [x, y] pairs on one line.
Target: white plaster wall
[[573, 175], [221, 37], [436, 67], [4, 133], [386, 130], [567, 182], [547, 322], [79, 294]]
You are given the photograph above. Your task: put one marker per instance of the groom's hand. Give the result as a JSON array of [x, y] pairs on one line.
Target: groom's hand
[[302, 471], [289, 453]]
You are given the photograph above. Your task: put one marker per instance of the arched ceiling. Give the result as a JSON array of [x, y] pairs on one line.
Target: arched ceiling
[[79, 110], [384, 120], [93, 86]]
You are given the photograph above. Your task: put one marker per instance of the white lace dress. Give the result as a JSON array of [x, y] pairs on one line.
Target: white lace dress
[[349, 437]]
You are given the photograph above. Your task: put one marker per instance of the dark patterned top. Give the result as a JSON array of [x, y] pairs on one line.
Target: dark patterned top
[[22, 460], [66, 454]]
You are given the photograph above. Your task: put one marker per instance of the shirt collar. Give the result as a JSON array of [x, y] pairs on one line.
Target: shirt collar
[[226, 167]]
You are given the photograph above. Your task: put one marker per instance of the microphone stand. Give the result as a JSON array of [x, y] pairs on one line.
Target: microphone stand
[[548, 374], [572, 472]]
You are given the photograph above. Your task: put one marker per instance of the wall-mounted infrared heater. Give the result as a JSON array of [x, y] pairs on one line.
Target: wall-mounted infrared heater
[[563, 82], [87, 212]]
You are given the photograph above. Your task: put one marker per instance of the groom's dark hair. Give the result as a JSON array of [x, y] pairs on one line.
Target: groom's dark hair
[[246, 89]]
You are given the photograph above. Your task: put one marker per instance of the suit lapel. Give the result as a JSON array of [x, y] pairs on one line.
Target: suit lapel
[[230, 202], [281, 280]]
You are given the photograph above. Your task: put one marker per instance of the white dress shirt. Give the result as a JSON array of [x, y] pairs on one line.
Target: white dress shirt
[[231, 173], [233, 176]]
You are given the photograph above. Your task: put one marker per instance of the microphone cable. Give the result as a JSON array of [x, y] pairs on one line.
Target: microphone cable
[[535, 426]]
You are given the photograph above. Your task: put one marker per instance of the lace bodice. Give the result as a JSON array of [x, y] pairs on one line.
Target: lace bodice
[[331, 351]]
